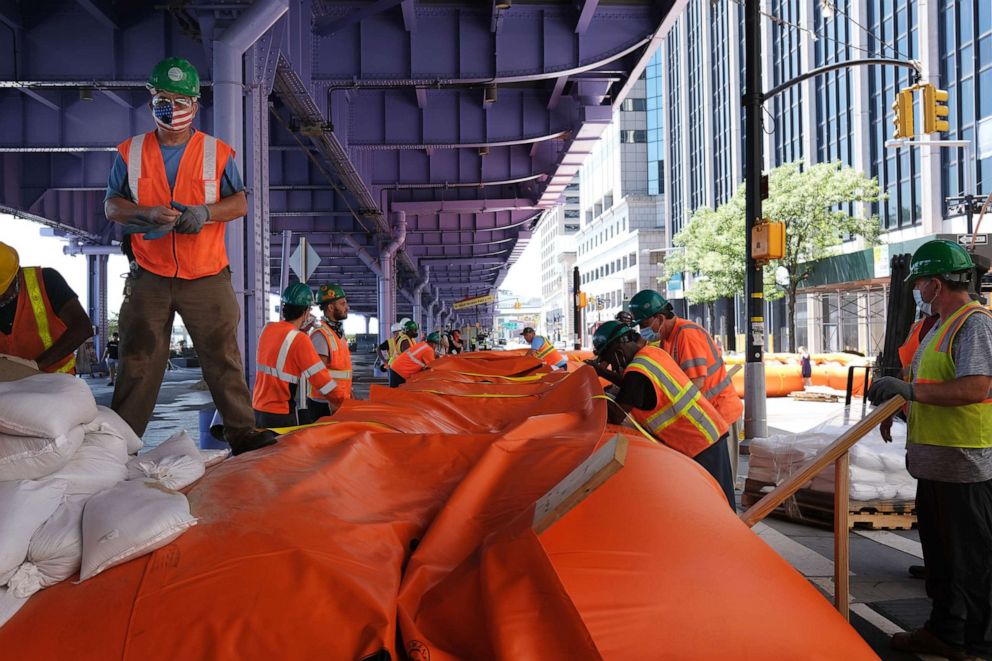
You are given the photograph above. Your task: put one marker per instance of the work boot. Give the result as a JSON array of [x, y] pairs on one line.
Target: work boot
[[253, 440], [924, 641], [918, 571]]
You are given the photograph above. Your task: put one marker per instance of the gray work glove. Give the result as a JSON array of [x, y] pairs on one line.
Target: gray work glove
[[193, 218], [887, 387], [157, 222]]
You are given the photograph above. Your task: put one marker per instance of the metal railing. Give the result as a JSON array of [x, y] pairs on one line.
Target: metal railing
[[836, 453]]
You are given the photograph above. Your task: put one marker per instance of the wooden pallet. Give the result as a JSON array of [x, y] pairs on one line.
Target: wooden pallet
[[817, 508], [805, 396]]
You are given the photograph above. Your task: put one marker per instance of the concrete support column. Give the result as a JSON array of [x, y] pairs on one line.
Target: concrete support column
[[96, 298], [387, 277]]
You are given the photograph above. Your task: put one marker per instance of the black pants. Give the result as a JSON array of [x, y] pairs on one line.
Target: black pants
[[955, 522], [716, 460], [268, 420], [318, 409], [395, 379]]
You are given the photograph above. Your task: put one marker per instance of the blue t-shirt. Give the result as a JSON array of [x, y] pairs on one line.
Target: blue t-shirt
[[537, 343], [117, 185]]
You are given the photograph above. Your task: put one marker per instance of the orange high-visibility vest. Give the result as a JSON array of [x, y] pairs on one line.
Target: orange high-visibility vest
[[186, 256], [36, 325], [414, 359], [285, 357], [682, 418], [697, 355], [916, 334], [548, 353], [338, 363]]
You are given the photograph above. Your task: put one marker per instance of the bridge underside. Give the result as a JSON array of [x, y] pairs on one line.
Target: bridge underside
[[414, 145]]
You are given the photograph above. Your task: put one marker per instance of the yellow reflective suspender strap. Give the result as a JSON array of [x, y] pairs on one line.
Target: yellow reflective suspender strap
[[286, 430], [683, 401], [522, 379], [40, 314], [629, 417]]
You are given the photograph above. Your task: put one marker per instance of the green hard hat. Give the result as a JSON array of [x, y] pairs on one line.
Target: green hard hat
[[329, 292], [433, 338], [646, 304], [176, 75], [609, 333], [939, 258], [411, 327], [297, 294]]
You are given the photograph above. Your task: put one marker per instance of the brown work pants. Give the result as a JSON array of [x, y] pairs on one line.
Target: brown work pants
[[210, 312]]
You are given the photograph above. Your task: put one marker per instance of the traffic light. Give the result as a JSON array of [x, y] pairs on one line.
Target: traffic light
[[935, 110], [582, 300], [903, 119]]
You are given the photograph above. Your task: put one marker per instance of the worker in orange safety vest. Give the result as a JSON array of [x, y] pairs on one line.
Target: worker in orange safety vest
[[693, 349], [664, 401], [173, 191], [542, 349], [414, 359], [41, 319], [332, 347], [286, 357]]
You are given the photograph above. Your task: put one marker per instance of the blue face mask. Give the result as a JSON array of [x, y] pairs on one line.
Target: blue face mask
[[923, 306], [648, 334]]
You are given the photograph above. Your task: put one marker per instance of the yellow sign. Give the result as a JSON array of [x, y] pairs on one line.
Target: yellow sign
[[472, 302]]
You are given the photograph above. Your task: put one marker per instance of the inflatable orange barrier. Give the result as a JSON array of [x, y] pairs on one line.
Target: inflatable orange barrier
[[403, 527], [783, 373]]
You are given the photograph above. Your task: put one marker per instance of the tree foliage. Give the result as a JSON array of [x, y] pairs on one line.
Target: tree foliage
[[816, 203]]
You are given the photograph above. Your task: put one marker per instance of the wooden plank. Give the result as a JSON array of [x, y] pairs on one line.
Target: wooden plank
[[578, 484], [828, 455], [842, 587]]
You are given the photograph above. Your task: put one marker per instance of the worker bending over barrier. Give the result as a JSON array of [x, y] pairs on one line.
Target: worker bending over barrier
[[542, 349], [664, 401], [414, 359], [285, 358]]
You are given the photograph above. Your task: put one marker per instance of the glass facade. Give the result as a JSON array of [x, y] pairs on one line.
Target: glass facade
[[786, 64], [656, 135], [673, 55], [894, 26], [965, 44], [833, 89], [723, 177], [696, 106]]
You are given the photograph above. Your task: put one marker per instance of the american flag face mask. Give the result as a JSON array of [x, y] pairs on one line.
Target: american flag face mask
[[172, 114]]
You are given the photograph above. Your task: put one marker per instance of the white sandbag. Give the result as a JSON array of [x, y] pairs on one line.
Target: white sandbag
[[178, 474], [887, 491], [113, 429], [864, 457], [24, 506], [860, 475], [92, 469], [55, 552], [175, 472], [214, 457], [45, 405], [863, 492], [131, 519], [9, 605], [32, 457], [906, 491], [895, 463]]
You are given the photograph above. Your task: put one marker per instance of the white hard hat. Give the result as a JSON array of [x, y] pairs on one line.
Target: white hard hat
[[403, 322], [395, 327]]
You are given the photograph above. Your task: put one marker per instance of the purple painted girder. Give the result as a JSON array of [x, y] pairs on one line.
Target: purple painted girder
[[412, 123]]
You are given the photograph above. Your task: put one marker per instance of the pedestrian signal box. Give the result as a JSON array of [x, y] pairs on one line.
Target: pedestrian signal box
[[768, 241]]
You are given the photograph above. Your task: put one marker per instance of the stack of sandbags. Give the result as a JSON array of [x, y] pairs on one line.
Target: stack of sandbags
[[877, 469], [73, 492]]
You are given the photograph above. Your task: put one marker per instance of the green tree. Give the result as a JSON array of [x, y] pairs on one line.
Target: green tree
[[813, 202]]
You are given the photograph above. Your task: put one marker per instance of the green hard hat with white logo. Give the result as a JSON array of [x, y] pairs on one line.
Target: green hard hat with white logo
[[646, 304], [939, 258], [176, 75], [329, 292], [609, 333], [411, 327], [297, 294]]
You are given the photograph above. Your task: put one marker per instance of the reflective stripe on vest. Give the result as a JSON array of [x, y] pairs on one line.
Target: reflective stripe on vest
[[37, 299], [413, 353], [278, 370], [391, 346], [333, 347], [715, 361], [968, 426], [208, 172], [682, 418]]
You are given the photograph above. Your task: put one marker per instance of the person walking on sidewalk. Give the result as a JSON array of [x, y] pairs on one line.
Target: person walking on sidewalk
[[693, 349], [113, 346], [949, 452], [806, 366], [329, 342], [664, 401], [173, 190], [286, 358]]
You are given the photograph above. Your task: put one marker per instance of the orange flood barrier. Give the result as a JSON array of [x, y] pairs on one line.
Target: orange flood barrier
[[404, 528]]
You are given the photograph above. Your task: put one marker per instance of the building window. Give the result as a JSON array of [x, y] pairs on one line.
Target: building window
[[633, 258], [633, 135], [634, 105]]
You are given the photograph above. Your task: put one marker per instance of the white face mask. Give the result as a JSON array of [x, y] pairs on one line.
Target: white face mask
[[648, 334], [926, 307]]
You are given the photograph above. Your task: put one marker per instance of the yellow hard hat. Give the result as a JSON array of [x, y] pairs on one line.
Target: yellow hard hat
[[9, 263]]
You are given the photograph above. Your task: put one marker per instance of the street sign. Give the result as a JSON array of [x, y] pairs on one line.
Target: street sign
[[472, 302], [304, 261], [980, 239]]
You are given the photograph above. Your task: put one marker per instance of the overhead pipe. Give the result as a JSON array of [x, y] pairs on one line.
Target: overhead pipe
[[418, 301], [363, 255], [80, 249], [387, 277]]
